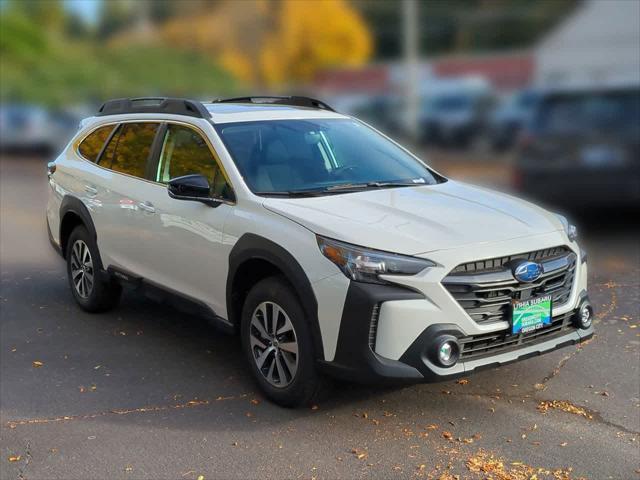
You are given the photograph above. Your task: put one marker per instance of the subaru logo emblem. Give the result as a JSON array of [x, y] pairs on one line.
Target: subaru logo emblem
[[527, 271]]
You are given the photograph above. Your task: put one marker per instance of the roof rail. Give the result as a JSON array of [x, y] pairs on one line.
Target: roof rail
[[176, 106], [293, 100]]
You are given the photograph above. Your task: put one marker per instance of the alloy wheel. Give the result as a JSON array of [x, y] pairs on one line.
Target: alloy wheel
[[274, 345], [82, 271]]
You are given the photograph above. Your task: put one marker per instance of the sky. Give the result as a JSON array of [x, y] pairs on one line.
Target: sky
[[86, 9]]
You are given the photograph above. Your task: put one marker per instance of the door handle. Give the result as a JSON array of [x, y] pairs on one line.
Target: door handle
[[92, 191], [147, 207]]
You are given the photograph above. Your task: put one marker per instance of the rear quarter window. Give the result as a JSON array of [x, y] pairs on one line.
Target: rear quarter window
[[91, 146]]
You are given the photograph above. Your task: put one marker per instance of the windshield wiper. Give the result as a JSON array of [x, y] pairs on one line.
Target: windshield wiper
[[365, 186], [341, 188], [292, 193]]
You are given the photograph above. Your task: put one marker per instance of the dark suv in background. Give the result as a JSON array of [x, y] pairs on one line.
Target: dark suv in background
[[582, 148]]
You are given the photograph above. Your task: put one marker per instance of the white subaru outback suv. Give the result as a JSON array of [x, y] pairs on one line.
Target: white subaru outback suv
[[328, 247]]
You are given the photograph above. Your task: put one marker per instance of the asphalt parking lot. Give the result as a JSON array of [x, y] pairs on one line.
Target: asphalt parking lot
[[146, 391]]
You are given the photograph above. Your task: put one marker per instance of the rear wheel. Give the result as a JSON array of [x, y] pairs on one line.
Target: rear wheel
[[277, 341], [92, 288]]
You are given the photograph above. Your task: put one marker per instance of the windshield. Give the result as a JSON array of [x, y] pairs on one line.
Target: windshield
[[323, 156]]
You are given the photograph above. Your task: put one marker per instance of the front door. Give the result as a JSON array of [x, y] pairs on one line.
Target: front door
[[184, 250]]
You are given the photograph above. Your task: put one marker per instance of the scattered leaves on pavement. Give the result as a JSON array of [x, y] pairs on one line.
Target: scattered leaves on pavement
[[565, 406], [494, 468]]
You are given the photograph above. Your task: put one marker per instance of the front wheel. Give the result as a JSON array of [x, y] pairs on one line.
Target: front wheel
[[277, 341]]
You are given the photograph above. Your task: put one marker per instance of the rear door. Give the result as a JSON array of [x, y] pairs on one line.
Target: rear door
[[119, 194]]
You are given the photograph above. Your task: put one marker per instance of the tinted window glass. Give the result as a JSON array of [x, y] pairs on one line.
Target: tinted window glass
[[91, 146], [133, 147], [184, 152]]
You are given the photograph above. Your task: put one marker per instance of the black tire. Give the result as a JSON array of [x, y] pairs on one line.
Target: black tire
[[307, 385], [104, 292]]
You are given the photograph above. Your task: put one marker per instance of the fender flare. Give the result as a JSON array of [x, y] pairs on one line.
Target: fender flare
[[250, 247], [74, 205]]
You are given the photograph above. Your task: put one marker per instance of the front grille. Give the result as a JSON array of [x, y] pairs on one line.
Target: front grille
[[496, 264], [486, 288], [487, 344]]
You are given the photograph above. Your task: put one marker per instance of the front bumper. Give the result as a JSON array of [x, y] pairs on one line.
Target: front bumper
[[387, 331], [356, 360]]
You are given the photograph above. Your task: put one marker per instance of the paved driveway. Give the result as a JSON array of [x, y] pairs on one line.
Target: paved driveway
[[146, 391]]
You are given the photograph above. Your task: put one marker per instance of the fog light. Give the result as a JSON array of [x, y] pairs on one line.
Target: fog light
[[446, 350], [584, 316]]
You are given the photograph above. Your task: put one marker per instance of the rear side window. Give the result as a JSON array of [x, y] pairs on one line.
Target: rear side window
[[185, 152], [131, 150], [91, 146]]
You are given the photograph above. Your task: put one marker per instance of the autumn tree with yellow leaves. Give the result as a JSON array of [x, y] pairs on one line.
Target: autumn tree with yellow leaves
[[271, 43]]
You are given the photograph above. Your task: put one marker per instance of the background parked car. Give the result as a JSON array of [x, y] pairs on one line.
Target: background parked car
[[582, 147], [508, 118], [455, 113], [31, 128]]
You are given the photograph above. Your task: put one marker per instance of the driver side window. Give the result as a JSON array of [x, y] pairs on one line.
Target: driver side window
[[185, 152]]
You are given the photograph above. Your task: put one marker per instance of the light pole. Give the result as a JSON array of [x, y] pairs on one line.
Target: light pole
[[410, 34]]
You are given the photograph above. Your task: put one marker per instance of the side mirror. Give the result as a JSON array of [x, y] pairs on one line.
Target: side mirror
[[192, 187]]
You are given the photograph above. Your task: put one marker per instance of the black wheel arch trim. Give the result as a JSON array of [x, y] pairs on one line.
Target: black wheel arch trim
[[74, 205], [255, 247]]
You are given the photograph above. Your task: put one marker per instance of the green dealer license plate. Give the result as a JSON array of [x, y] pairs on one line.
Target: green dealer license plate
[[530, 315]]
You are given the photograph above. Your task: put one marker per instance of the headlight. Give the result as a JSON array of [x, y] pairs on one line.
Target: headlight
[[365, 265], [570, 229]]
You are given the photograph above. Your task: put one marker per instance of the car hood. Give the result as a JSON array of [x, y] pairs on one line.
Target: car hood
[[415, 220]]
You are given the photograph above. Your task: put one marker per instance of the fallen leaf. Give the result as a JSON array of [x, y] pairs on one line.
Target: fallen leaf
[[462, 381], [314, 407], [447, 435], [359, 454], [200, 477], [37, 363], [128, 468], [15, 458], [563, 444], [255, 401]]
